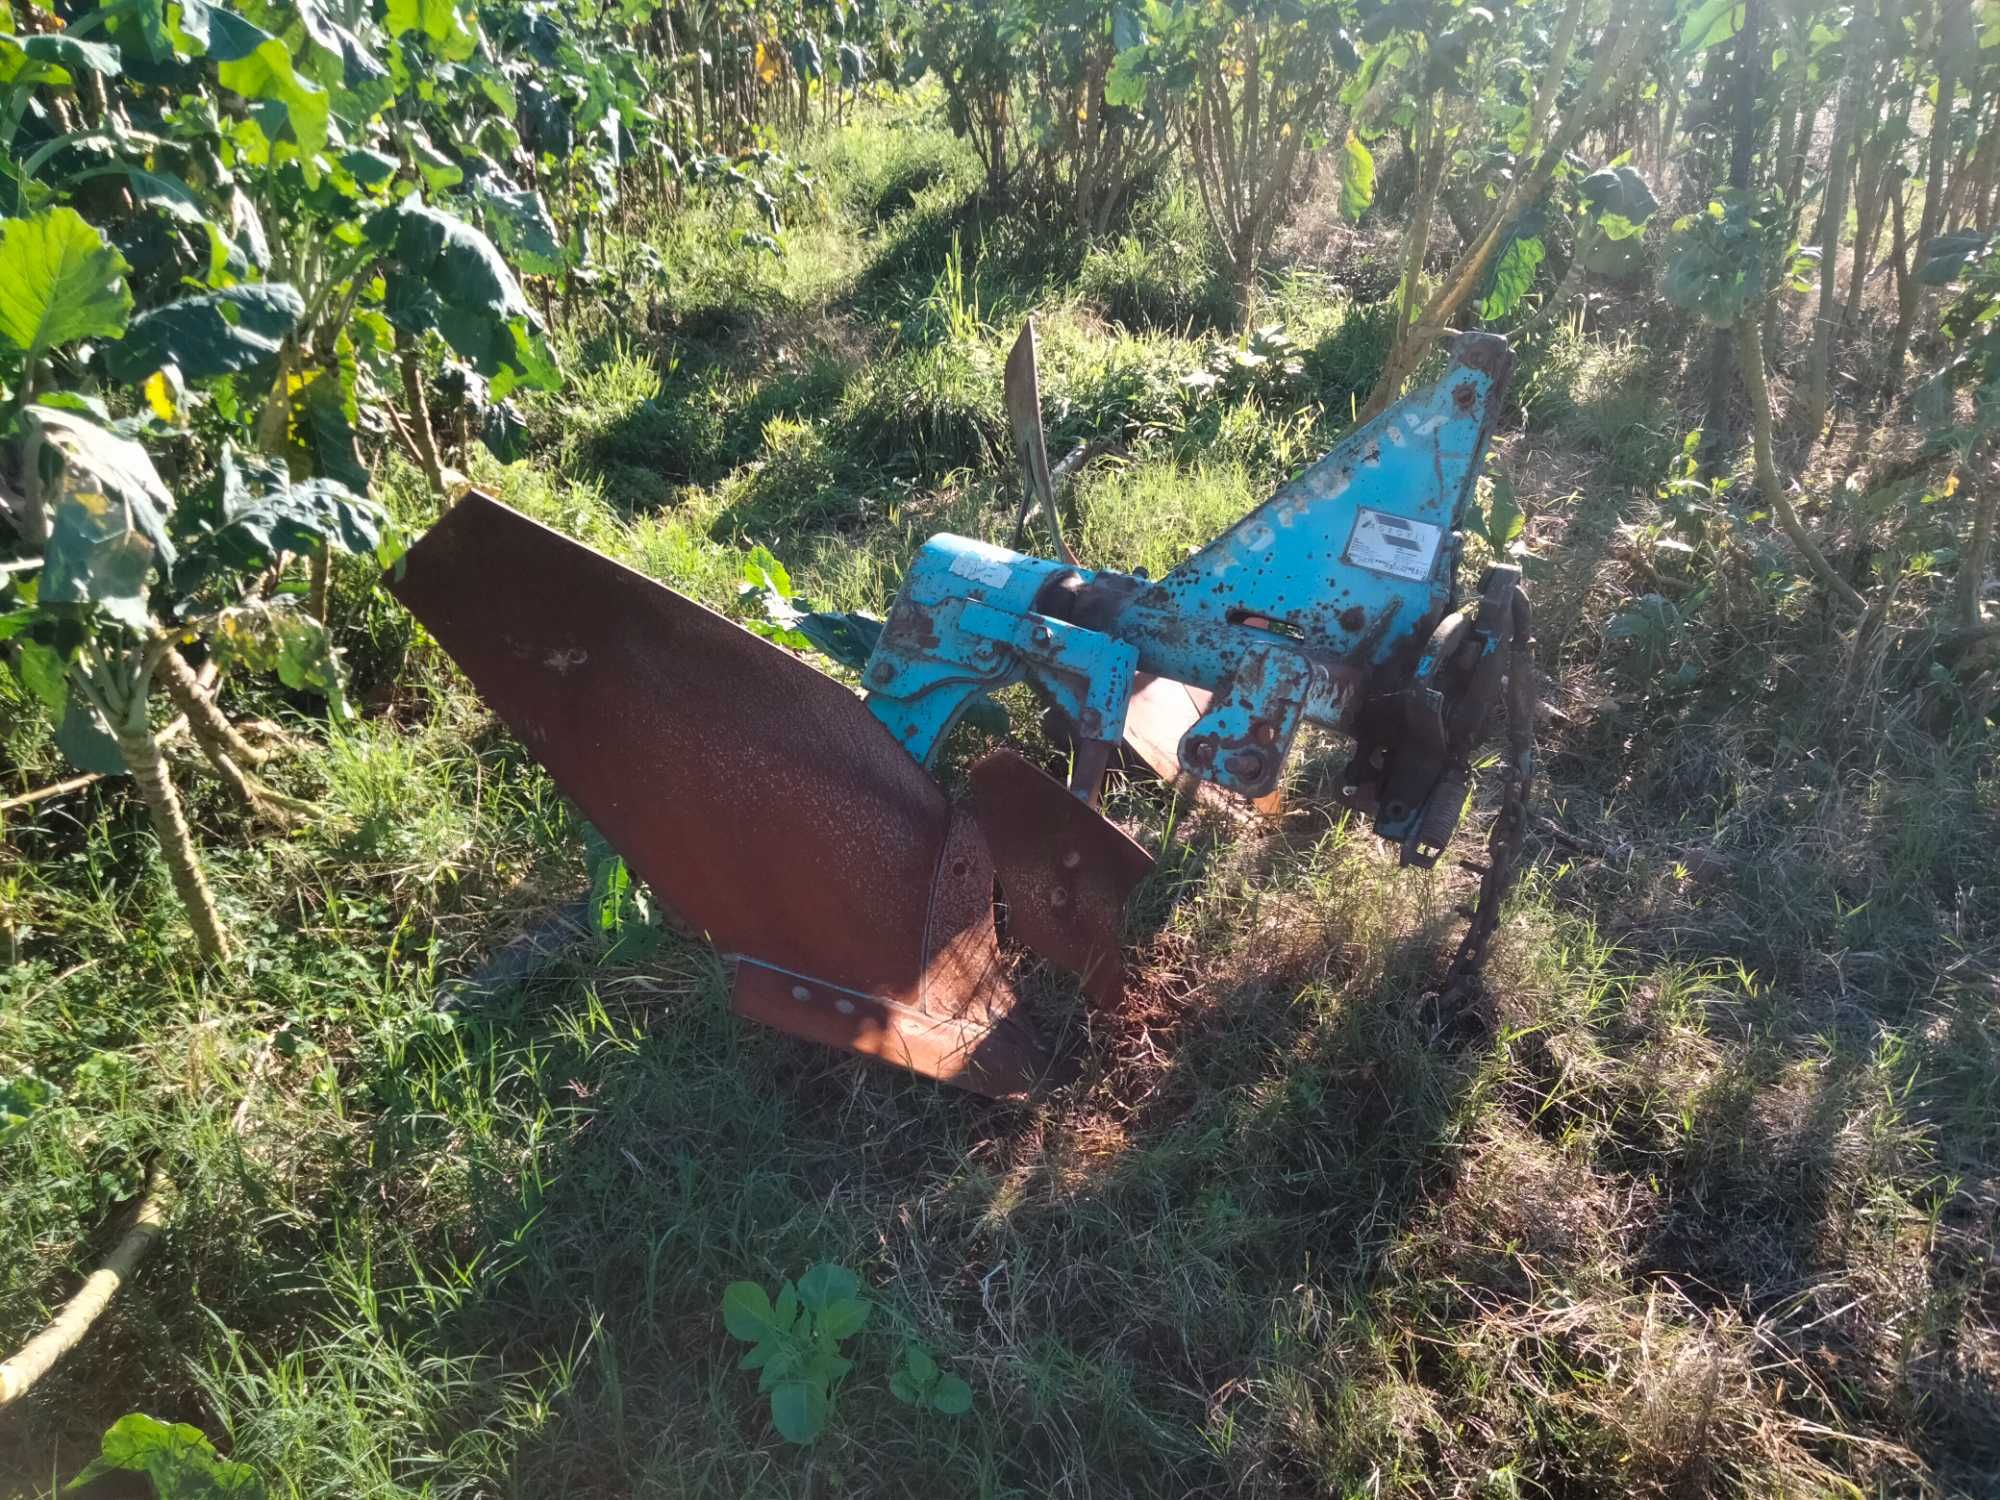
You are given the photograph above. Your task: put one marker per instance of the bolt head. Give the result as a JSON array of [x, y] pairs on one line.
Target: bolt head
[[1071, 859], [1058, 898], [1246, 765], [882, 672], [801, 993]]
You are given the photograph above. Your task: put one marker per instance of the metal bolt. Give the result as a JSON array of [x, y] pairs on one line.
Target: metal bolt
[[1059, 897], [883, 672], [1202, 751], [1246, 765], [1039, 635], [1263, 731], [984, 650], [845, 1007], [801, 993], [1071, 859]]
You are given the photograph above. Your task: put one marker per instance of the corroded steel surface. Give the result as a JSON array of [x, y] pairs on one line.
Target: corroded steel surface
[[1065, 873], [760, 798], [1160, 714]]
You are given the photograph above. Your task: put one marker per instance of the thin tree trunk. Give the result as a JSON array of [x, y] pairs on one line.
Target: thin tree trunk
[[193, 700], [1430, 175], [318, 577], [420, 421], [1750, 350], [1954, 32], [1972, 563], [141, 753], [1980, 177], [1716, 443], [1871, 199], [1574, 276], [1833, 226]]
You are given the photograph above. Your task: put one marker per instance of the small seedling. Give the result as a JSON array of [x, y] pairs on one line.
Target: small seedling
[[796, 1342], [918, 1381]]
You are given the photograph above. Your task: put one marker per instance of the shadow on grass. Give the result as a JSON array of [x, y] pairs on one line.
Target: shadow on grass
[[1106, 1265]]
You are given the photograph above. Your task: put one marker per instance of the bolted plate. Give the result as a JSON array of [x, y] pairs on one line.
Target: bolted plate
[[1160, 713], [757, 796], [1065, 872]]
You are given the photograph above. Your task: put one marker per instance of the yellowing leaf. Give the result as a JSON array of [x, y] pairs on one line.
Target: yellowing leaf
[[163, 394]]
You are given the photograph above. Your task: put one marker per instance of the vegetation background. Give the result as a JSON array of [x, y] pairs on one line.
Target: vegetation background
[[1708, 1205]]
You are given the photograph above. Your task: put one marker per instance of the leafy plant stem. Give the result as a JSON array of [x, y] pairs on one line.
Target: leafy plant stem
[[317, 570], [1750, 353], [192, 699], [1978, 548], [274, 418], [117, 689], [420, 419]]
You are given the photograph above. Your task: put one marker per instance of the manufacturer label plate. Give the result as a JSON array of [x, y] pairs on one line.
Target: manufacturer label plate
[[1390, 544]]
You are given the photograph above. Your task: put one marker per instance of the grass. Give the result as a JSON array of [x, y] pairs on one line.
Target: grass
[[1708, 1211]]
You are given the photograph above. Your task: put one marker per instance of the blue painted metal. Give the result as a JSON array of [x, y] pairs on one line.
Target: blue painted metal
[[1317, 603]]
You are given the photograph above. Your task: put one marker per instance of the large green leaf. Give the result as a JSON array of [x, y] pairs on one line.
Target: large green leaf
[[1620, 200], [42, 672], [52, 59], [324, 437], [451, 31], [520, 222], [1943, 260], [1357, 178], [798, 1410], [105, 508], [825, 1284], [274, 637], [296, 518], [85, 741], [265, 72], [1126, 83], [747, 1312], [59, 282], [1513, 274], [1710, 23], [181, 1463], [444, 276], [97, 557], [215, 333]]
